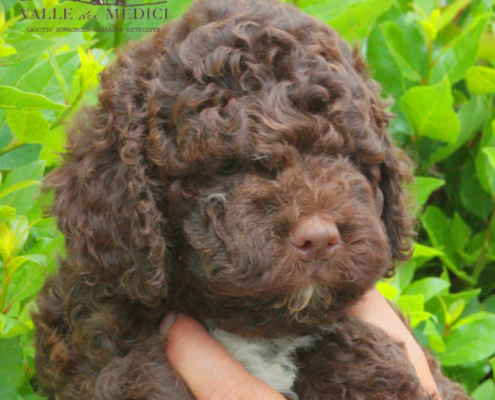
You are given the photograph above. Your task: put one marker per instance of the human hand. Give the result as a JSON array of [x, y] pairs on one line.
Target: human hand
[[209, 370], [375, 309], [212, 373]]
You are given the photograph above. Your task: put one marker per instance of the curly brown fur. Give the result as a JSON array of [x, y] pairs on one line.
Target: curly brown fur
[[211, 139], [356, 360], [361, 361]]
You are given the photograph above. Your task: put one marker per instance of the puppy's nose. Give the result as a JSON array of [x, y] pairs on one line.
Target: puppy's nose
[[315, 238]]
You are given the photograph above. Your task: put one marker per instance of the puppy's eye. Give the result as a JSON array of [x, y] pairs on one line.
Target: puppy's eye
[[229, 167]]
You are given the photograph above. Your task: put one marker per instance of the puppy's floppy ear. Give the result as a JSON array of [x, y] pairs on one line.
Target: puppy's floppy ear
[[105, 194], [398, 220]]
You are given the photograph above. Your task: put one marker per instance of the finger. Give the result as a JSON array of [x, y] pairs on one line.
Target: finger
[[208, 369]]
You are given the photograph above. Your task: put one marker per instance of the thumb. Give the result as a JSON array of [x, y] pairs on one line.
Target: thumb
[[209, 370]]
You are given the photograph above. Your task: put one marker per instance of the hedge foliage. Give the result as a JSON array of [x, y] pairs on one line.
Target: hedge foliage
[[434, 58]]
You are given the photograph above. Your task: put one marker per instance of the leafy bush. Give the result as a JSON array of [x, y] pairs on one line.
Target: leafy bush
[[435, 58]]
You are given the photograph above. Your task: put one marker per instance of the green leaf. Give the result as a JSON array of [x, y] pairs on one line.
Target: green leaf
[[20, 229], [454, 311], [59, 75], [405, 274], [325, 10], [6, 211], [461, 53], [472, 116], [11, 327], [54, 145], [42, 79], [461, 234], [6, 50], [438, 227], [4, 191], [8, 238], [13, 99], [13, 72], [38, 259], [357, 21], [426, 7], [413, 307], [489, 304], [487, 47], [20, 156], [28, 281], [428, 287], [434, 338], [474, 318], [430, 25], [467, 296], [6, 135], [425, 253], [9, 395], [429, 111], [88, 73], [430, 30], [405, 57], [23, 199], [4, 250], [43, 201], [423, 187], [470, 340], [474, 248], [385, 67], [481, 79], [14, 264], [488, 137], [485, 167], [12, 365], [8, 4], [32, 46], [472, 195], [449, 13], [421, 255], [416, 317], [388, 291], [28, 125], [485, 391]]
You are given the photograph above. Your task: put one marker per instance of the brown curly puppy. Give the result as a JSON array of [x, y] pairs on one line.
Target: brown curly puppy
[[236, 169]]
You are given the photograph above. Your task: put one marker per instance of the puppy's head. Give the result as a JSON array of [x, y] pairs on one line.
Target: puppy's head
[[237, 167]]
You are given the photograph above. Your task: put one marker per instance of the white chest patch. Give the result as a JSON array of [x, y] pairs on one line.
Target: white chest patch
[[269, 360]]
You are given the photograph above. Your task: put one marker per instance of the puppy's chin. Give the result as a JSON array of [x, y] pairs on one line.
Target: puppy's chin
[[317, 305], [298, 312], [313, 305]]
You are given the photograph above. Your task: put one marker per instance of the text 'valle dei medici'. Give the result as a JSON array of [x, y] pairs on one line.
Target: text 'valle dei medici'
[[121, 13]]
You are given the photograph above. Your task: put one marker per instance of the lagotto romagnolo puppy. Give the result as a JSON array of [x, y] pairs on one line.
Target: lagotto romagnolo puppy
[[236, 169]]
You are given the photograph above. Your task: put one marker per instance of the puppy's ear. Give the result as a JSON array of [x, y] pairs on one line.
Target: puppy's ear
[[106, 196], [395, 213]]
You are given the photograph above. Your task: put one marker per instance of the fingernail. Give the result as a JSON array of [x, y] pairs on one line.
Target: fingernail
[[167, 322]]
